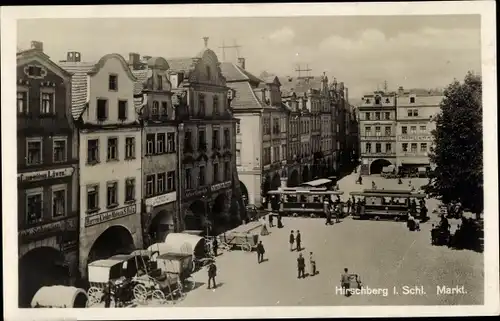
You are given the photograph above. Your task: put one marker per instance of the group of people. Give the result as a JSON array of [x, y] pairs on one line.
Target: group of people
[[332, 208]]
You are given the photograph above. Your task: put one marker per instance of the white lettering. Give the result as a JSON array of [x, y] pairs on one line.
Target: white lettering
[[110, 215], [43, 175]]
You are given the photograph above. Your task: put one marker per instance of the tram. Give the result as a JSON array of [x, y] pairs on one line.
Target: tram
[[303, 201], [384, 204]]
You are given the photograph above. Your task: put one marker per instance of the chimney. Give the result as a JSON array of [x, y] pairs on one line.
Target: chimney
[[134, 59], [263, 91], [241, 63], [73, 56], [401, 90], [37, 45]]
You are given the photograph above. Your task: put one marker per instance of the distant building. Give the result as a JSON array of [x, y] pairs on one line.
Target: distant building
[[47, 173], [106, 111], [416, 110]]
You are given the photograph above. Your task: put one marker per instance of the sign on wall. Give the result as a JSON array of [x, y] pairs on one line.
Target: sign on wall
[[414, 137], [46, 229], [161, 199], [216, 187], [96, 219], [43, 175]]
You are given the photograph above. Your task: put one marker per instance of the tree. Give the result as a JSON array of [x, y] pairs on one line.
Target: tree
[[458, 150]]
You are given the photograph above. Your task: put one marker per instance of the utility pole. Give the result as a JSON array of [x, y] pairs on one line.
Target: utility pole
[[307, 70], [234, 46]]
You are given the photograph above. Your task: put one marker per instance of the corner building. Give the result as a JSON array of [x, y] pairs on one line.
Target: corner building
[[47, 173], [110, 156], [210, 200]]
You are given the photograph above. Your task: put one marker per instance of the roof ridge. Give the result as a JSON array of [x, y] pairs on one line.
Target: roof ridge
[[241, 72]]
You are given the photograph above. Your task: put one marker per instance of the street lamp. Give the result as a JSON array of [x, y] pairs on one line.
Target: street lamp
[[149, 209]]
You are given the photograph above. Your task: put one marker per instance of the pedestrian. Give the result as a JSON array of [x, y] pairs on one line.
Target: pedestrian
[[337, 213], [264, 230], [291, 240], [326, 209], [301, 266], [298, 240], [271, 224], [348, 206], [280, 223], [107, 295], [312, 262], [212, 273], [344, 282], [374, 186], [215, 245], [260, 252]]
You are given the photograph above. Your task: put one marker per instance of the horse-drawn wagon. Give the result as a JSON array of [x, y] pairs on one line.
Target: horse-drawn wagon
[[59, 296]]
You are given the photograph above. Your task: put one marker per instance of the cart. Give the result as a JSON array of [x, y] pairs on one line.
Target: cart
[[245, 241], [59, 296]]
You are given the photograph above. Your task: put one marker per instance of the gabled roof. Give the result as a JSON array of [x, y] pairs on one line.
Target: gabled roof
[[36, 53], [233, 72], [183, 64], [244, 96], [300, 86]]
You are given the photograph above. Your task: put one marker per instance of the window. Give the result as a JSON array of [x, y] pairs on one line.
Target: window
[[164, 108], [377, 131], [377, 115], [208, 72], [113, 82], [188, 147], [92, 151], [423, 147], [415, 112], [34, 151], [202, 142], [112, 194], [216, 105], [102, 109], [171, 181], [238, 129], [155, 109], [238, 157], [368, 131], [150, 185], [129, 148], [368, 147], [367, 116], [93, 198], [283, 152], [410, 112], [378, 148], [159, 82], [161, 181], [227, 138], [202, 105], [377, 100], [130, 189], [189, 180], [22, 102], [387, 130], [34, 206], [413, 147], [388, 148], [201, 176], [387, 115], [59, 150], [227, 171], [112, 149], [34, 71], [122, 109], [405, 147], [413, 129], [150, 144], [215, 138], [58, 202], [423, 129], [404, 130], [170, 142], [160, 143], [216, 173], [412, 100], [47, 106], [338, 128]]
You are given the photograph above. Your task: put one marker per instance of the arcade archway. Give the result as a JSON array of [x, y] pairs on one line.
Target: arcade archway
[[276, 182], [161, 225], [42, 266], [293, 181], [305, 174], [377, 165], [219, 217], [194, 220], [114, 240], [244, 193]]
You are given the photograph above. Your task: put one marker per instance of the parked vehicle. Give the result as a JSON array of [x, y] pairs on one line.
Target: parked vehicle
[[59, 296]]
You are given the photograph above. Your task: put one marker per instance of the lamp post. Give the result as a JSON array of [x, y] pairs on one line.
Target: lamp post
[[147, 221]]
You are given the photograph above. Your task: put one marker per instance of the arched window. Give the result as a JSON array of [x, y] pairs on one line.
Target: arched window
[[208, 71]]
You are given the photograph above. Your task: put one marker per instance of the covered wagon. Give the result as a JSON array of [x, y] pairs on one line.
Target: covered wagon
[[59, 296]]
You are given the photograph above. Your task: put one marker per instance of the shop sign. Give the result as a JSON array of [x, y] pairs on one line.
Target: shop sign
[[43, 175], [197, 192], [161, 199], [414, 138], [110, 215], [37, 231], [216, 187]]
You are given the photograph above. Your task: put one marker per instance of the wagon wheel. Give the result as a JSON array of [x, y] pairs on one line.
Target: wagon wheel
[[140, 293], [158, 296], [180, 291], [246, 247], [94, 296]]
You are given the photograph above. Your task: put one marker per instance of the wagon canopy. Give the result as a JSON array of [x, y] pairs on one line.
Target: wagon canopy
[[183, 243], [59, 296]]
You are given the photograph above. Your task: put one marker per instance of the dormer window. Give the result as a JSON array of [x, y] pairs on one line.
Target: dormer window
[[368, 100], [34, 71], [412, 100], [387, 100], [113, 82], [377, 100]]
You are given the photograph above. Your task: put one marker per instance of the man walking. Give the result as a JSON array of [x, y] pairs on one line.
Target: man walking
[[215, 246], [212, 273], [271, 223], [301, 266], [312, 262], [298, 240], [291, 240], [344, 282], [326, 209], [348, 206], [260, 252]]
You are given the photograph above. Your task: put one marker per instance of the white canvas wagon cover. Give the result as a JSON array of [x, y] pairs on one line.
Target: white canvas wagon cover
[[57, 296], [183, 243]]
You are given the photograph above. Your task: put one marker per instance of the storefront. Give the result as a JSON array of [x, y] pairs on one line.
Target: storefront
[[159, 217]]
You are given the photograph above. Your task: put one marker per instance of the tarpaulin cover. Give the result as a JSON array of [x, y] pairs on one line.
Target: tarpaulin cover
[[57, 296], [181, 243]]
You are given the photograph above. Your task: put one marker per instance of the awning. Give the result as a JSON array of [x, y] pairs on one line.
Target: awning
[[59, 296], [181, 243]]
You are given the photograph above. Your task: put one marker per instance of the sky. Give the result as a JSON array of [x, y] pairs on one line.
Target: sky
[[362, 51]]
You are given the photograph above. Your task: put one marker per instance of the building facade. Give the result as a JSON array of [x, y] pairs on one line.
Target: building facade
[[207, 155], [262, 139], [416, 110], [47, 174], [159, 149], [110, 152], [377, 118]]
